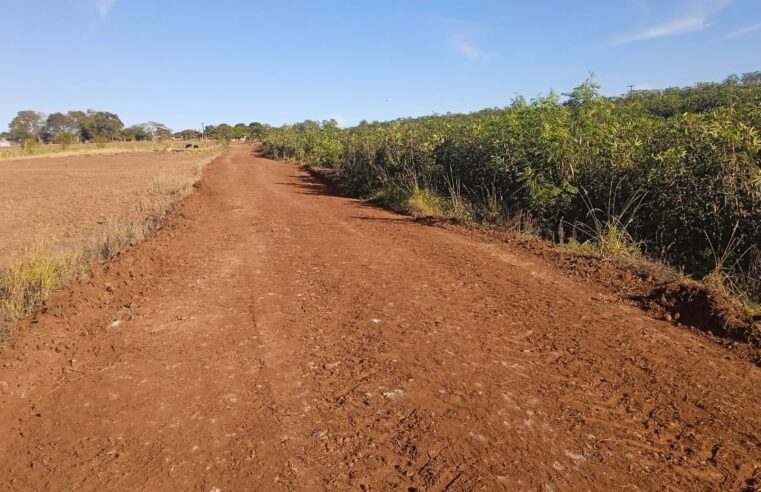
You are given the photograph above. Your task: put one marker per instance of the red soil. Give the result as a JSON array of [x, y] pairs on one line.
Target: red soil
[[273, 336]]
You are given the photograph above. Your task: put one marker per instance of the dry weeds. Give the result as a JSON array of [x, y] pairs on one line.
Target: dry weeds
[[60, 150]]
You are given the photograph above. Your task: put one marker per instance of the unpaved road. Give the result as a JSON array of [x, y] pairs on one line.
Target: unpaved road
[[274, 337]]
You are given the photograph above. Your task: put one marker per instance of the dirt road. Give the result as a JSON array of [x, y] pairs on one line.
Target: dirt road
[[275, 337]]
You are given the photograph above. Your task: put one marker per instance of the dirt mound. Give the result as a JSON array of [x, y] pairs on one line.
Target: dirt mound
[[656, 289], [697, 306]]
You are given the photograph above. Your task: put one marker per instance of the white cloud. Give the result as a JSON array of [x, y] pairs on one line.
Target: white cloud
[[104, 6], [671, 28], [744, 30], [467, 48], [695, 15], [462, 38]]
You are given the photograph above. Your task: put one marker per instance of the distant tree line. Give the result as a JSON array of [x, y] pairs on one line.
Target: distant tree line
[[102, 126], [241, 131]]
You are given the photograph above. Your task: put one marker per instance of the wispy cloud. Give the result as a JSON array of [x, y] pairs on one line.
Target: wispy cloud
[[744, 30], [671, 28], [463, 38], [467, 48], [104, 6], [694, 17]]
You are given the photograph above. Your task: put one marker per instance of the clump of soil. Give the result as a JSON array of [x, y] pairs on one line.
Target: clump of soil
[[697, 306], [654, 287]]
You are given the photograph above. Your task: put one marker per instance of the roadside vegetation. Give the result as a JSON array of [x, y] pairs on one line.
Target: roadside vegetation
[[672, 175]]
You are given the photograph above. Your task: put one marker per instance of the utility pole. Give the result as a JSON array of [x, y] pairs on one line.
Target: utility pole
[[631, 89], [203, 132]]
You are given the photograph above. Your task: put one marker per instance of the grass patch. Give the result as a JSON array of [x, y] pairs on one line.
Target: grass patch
[[26, 284], [730, 278], [416, 201], [390, 196], [424, 202]]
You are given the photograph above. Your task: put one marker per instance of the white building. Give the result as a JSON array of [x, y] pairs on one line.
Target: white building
[[5, 143]]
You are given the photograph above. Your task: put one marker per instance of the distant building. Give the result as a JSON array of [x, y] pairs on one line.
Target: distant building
[[5, 143]]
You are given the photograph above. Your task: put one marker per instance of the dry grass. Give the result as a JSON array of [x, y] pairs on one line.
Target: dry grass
[[729, 278], [611, 241], [26, 283], [61, 150], [424, 202]]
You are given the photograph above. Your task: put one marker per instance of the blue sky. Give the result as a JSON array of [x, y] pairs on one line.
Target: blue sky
[[192, 61]]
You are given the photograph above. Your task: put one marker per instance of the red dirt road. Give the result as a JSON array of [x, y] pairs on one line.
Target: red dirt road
[[274, 337]]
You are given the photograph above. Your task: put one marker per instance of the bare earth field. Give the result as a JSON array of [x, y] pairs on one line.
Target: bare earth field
[[109, 148], [61, 200], [273, 336]]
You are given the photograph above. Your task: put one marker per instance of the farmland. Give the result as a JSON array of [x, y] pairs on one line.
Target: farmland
[[76, 209], [109, 148]]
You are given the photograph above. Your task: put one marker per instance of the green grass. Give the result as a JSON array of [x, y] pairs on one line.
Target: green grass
[[424, 202], [417, 201]]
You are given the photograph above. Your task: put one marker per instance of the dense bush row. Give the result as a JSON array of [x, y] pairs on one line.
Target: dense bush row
[[674, 173]]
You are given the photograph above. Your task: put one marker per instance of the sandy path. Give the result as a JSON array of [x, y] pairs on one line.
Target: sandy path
[[276, 337]]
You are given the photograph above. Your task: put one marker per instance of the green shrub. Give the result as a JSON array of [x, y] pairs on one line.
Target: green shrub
[[688, 158], [66, 139], [100, 141], [30, 145]]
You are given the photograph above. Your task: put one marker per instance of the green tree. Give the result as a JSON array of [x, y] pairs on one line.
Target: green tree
[[105, 125], [97, 125], [240, 131], [136, 133], [157, 131], [57, 126], [256, 130], [219, 132], [188, 134], [27, 125]]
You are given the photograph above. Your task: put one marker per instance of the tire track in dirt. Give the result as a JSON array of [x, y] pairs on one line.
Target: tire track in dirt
[[275, 337]]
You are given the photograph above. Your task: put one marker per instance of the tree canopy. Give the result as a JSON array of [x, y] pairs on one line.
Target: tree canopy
[[27, 125], [91, 125]]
